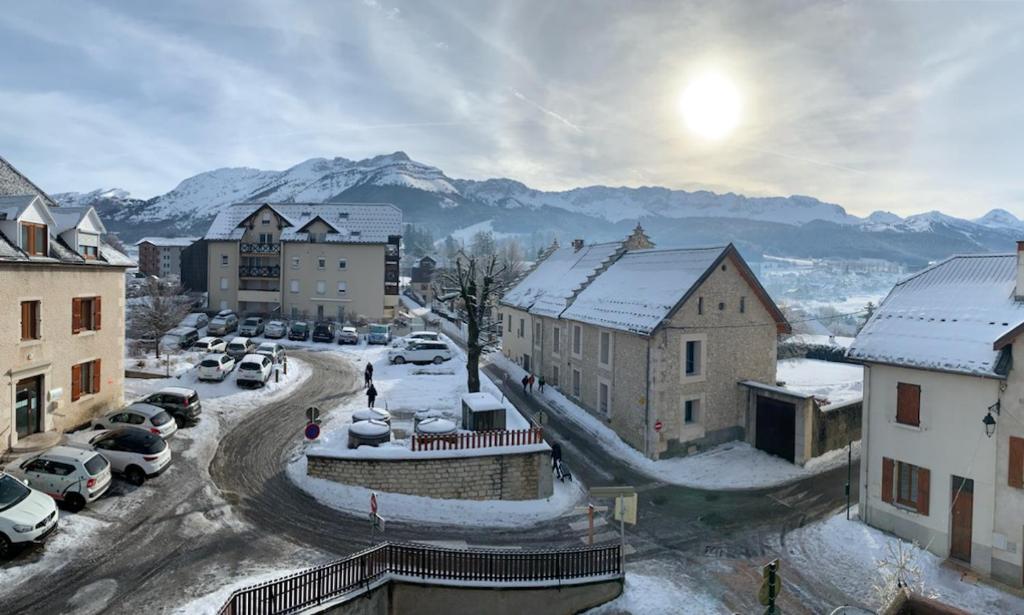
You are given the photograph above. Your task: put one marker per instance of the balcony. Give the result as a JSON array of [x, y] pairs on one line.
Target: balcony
[[259, 248], [260, 272]]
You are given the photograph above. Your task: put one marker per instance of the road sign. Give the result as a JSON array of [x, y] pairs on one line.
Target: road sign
[[312, 431], [373, 503], [625, 509], [313, 414], [771, 587], [658, 425], [611, 492]]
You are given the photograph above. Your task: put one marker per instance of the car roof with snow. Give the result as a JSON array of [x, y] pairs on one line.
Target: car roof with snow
[[177, 391], [141, 407], [253, 358], [209, 339], [268, 346], [349, 330], [239, 340], [958, 315], [62, 453]]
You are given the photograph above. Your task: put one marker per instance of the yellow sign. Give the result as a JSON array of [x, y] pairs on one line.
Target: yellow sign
[[625, 509]]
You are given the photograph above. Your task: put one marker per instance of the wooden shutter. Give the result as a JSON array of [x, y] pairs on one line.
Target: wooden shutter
[[908, 404], [76, 315], [1015, 472], [76, 382], [887, 472], [26, 317], [96, 313], [95, 376], [923, 490]]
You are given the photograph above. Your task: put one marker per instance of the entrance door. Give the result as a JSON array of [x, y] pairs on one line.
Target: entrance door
[[319, 313], [526, 362], [776, 427], [28, 412], [962, 519]]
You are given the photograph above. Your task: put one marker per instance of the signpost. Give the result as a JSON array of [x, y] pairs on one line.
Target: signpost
[[313, 414], [625, 510], [771, 587], [658, 425], [312, 431]]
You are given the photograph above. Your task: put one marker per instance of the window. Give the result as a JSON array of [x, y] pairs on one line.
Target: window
[[577, 340], [223, 260], [604, 394], [296, 262], [700, 305], [509, 324], [693, 359], [537, 328], [29, 320], [906, 485], [605, 352], [554, 375], [85, 314], [743, 305], [576, 377], [691, 411], [721, 306], [265, 220], [223, 283], [342, 288], [90, 252], [556, 340], [342, 264], [908, 404], [294, 286], [321, 262], [522, 326], [85, 379], [266, 237], [34, 239], [1015, 472], [321, 287]]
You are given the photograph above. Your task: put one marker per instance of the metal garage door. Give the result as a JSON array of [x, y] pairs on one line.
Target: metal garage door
[[776, 427]]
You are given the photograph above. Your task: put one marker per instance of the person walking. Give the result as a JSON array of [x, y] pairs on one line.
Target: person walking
[[530, 382], [371, 394], [368, 375], [540, 383], [526, 382]]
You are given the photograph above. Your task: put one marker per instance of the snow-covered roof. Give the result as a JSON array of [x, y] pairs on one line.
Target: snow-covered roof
[[58, 220], [831, 383], [548, 288], [11, 207], [168, 242], [946, 317], [67, 218], [481, 402], [362, 223], [640, 289]]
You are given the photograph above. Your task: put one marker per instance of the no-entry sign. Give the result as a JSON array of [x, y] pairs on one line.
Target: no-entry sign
[[312, 431], [657, 425]]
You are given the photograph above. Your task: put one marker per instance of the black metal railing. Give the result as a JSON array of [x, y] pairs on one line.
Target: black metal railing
[[259, 248], [259, 272], [322, 583]]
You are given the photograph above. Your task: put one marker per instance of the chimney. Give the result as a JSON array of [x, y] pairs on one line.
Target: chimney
[[1019, 291], [577, 244]]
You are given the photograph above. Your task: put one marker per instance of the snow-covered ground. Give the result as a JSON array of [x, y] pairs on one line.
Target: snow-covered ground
[[655, 586], [832, 383]]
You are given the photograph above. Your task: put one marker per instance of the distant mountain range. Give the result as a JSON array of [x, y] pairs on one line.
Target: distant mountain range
[[797, 226]]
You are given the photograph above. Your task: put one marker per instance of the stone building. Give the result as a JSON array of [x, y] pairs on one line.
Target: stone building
[[161, 256], [421, 282], [63, 356]]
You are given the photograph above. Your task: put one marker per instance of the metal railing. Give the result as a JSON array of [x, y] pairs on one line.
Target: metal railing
[[317, 585], [476, 439], [259, 272], [259, 248]]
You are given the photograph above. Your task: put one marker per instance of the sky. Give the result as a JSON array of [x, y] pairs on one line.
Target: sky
[[905, 107]]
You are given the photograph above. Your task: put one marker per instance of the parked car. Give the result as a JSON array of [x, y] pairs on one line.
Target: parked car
[[215, 367], [181, 403], [348, 335], [227, 312], [323, 332], [379, 334], [210, 344], [141, 415], [421, 352], [180, 338], [299, 331], [196, 320], [251, 327], [135, 453], [26, 515], [417, 336], [273, 350], [240, 346], [222, 325], [254, 370], [70, 475], [275, 329]]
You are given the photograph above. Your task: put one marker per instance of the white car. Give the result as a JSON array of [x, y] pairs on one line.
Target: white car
[[196, 320], [348, 335], [254, 369], [26, 515], [67, 474], [210, 344], [153, 419], [421, 352], [417, 336], [272, 350], [215, 367], [136, 454], [275, 329], [240, 346]]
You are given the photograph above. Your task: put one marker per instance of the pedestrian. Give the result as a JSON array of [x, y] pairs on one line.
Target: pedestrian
[[371, 394], [526, 382], [540, 383], [530, 382], [368, 375]]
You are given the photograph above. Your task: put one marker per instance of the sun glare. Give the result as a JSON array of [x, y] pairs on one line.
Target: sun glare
[[711, 106]]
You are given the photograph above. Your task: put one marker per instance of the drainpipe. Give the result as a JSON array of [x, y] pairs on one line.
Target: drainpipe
[[865, 442], [647, 403]]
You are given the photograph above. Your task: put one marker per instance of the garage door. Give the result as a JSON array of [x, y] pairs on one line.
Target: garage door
[[776, 427]]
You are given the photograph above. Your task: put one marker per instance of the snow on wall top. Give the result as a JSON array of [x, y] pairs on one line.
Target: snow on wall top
[[640, 289], [167, 242], [355, 223], [548, 288], [946, 317]]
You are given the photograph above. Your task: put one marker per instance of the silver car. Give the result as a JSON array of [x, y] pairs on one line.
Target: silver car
[[153, 419]]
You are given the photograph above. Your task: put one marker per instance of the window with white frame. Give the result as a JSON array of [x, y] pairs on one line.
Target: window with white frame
[[694, 357], [321, 262], [321, 287], [296, 262], [342, 288], [537, 331], [577, 377], [293, 286], [224, 260], [223, 283], [604, 355], [691, 410], [577, 340], [265, 219], [556, 340], [604, 397]]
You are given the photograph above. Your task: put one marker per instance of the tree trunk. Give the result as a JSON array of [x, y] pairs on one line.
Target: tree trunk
[[472, 353]]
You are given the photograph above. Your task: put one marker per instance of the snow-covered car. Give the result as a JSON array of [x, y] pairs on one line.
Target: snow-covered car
[[273, 350], [26, 515], [275, 329], [210, 344], [141, 415], [179, 338], [420, 352], [196, 320], [299, 331], [240, 346], [222, 325], [180, 402], [70, 475], [348, 335], [251, 327], [215, 367], [416, 336], [253, 370], [135, 453]]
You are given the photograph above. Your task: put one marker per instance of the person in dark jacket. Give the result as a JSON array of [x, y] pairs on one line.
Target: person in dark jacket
[[529, 382], [526, 381], [371, 394], [368, 375], [540, 383]]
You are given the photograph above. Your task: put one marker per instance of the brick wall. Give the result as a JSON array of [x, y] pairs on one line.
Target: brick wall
[[523, 476]]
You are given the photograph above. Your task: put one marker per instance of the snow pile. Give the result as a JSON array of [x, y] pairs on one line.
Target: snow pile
[[648, 589], [831, 383]]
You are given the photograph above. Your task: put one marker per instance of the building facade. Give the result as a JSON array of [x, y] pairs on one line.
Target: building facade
[[421, 281], [194, 267], [161, 256], [321, 261]]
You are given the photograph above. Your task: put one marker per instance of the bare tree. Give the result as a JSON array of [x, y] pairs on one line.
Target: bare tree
[[160, 309], [476, 282]]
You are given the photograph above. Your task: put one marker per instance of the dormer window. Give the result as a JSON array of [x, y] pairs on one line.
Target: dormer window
[[34, 239], [90, 252]]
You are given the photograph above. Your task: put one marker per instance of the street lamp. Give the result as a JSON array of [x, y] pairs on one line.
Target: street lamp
[[990, 421]]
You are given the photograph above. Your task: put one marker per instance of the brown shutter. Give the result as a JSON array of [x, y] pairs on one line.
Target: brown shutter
[[887, 472], [923, 490], [96, 313], [1015, 472], [26, 325], [76, 382], [95, 376], [76, 315], [908, 404]]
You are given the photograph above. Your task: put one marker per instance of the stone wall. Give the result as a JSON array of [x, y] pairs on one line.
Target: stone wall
[[519, 476], [837, 427]]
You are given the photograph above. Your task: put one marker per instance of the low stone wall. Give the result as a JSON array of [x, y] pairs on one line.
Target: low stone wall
[[836, 427], [508, 476]]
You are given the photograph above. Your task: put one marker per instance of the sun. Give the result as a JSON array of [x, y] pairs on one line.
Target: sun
[[711, 106]]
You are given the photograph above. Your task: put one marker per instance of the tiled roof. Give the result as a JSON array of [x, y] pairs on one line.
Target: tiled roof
[[547, 289], [361, 223]]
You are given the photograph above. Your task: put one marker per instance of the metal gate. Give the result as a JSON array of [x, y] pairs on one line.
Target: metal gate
[[776, 427]]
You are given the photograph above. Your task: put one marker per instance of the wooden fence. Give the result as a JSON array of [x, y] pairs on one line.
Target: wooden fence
[[477, 439], [315, 586]]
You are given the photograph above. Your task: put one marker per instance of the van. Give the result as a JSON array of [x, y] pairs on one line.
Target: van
[[379, 334], [180, 338]]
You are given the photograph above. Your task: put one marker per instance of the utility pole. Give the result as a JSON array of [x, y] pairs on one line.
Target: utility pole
[[849, 474]]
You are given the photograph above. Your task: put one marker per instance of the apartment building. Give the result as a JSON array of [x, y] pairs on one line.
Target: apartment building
[[317, 261], [161, 256], [63, 339]]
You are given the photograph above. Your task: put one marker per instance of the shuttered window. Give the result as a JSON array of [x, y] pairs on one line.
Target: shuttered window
[[887, 470], [85, 379], [906, 485], [86, 314], [1015, 472], [29, 320], [908, 404], [34, 239]]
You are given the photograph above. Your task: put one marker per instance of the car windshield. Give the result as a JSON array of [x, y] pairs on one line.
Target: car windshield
[[218, 321], [266, 348], [159, 419], [250, 366], [12, 491], [275, 324], [236, 345], [201, 344], [209, 363], [252, 321], [300, 327], [383, 329], [96, 464], [141, 442]]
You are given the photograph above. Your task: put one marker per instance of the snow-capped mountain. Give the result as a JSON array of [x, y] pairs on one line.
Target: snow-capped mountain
[[798, 226]]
